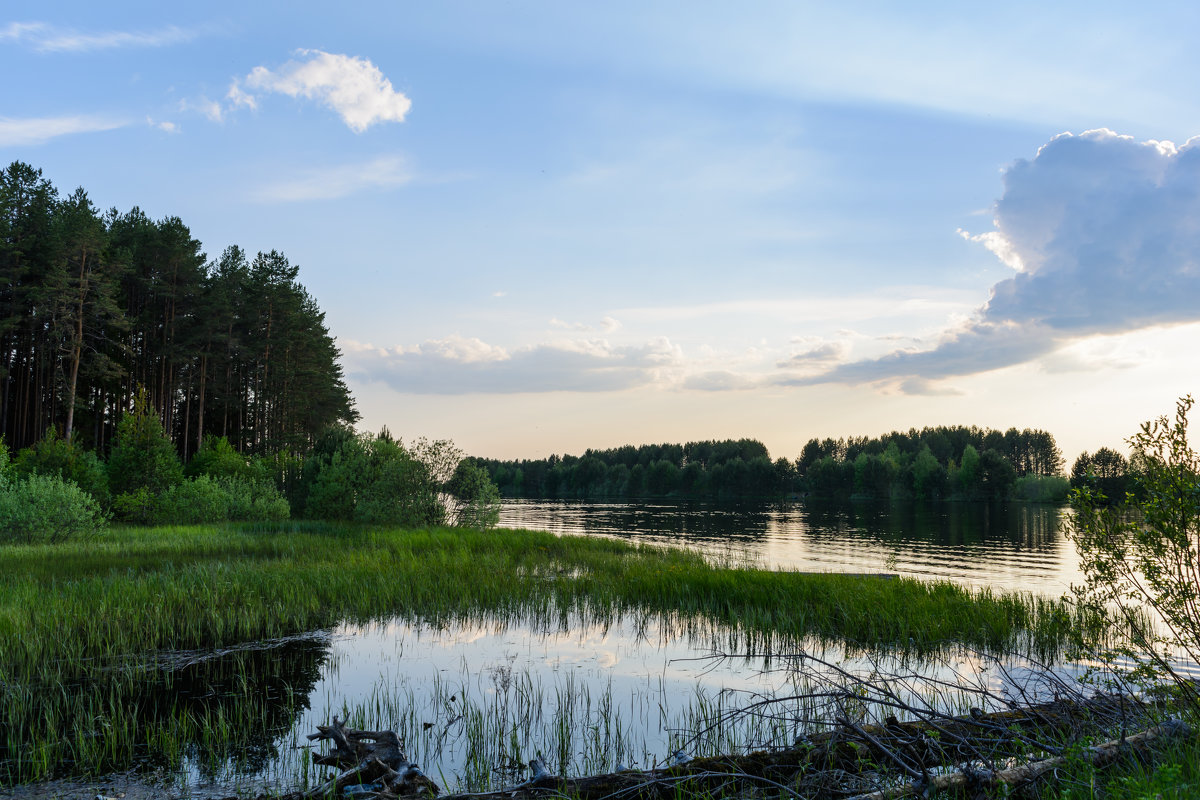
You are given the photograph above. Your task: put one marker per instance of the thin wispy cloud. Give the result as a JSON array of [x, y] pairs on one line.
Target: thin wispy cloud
[[166, 126], [329, 183], [606, 325], [36, 130], [459, 365], [1102, 232], [353, 87], [44, 38], [203, 105]]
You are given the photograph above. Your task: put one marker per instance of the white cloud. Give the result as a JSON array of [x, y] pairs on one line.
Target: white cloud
[[48, 39], [163, 125], [332, 182], [41, 129], [209, 108], [817, 354], [237, 98], [353, 87], [1104, 230], [459, 365], [606, 325]]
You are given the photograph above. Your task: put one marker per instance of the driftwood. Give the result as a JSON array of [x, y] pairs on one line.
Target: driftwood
[[373, 764], [841, 761]]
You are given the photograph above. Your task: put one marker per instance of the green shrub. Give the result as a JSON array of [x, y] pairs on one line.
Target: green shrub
[[380, 481], [55, 456], [397, 489], [142, 455], [254, 500], [474, 501], [1041, 489], [199, 500], [334, 481], [138, 506], [46, 508], [229, 499], [217, 458]]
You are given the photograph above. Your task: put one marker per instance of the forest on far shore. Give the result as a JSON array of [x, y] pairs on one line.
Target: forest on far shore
[[933, 463]]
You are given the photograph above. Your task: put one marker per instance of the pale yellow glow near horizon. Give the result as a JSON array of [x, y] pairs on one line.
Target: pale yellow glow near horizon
[[1094, 393]]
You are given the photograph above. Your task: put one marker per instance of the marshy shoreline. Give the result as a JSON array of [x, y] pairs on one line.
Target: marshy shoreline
[[100, 614]]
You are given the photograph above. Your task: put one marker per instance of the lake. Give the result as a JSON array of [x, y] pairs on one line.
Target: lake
[[1013, 547]]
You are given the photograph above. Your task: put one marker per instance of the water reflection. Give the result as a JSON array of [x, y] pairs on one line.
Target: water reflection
[[1016, 547]]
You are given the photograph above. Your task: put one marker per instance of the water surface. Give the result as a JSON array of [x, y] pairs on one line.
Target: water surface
[[1006, 546]]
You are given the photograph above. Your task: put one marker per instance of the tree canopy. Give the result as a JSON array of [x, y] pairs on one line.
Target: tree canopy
[[95, 306]]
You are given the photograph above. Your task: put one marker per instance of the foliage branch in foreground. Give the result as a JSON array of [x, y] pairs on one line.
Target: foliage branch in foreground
[[1144, 554]]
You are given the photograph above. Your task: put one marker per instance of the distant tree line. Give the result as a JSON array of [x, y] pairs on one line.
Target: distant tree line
[[931, 463], [732, 468], [934, 463], [95, 306]]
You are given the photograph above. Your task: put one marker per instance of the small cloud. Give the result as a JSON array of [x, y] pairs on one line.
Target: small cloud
[[45, 38], [164, 125], [37, 130], [458, 365], [500, 294], [353, 87], [821, 354], [333, 182], [922, 387], [238, 99], [606, 325], [209, 108], [719, 381]]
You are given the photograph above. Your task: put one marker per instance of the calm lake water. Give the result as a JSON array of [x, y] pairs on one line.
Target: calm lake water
[[1015, 547]]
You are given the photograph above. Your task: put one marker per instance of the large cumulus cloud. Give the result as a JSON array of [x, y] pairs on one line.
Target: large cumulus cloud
[[1103, 233]]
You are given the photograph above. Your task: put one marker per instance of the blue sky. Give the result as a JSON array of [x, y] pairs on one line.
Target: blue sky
[[542, 227]]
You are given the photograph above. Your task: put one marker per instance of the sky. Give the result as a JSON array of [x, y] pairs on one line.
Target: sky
[[542, 227]]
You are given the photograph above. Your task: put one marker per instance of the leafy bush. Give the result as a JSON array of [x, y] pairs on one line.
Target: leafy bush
[[1041, 489], [378, 480], [193, 502], [333, 480], [228, 499], [142, 456], [46, 508], [138, 506], [217, 458], [55, 456], [254, 500], [474, 501], [397, 489]]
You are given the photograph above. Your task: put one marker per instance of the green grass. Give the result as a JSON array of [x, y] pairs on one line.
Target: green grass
[[94, 613]]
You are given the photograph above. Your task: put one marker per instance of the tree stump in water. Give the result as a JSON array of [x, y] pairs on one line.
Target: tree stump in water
[[374, 760]]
